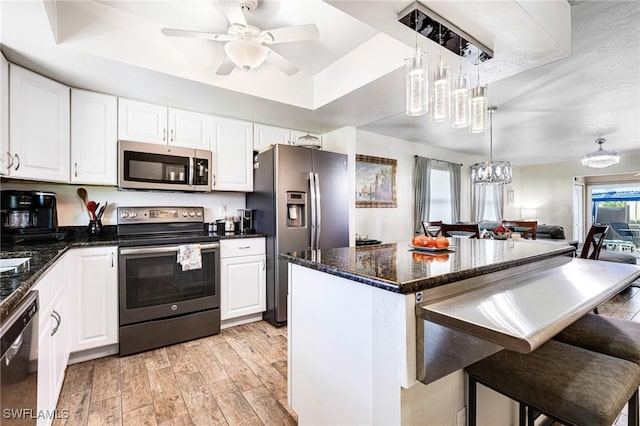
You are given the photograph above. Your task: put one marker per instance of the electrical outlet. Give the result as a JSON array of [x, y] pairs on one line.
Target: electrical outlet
[[461, 417]]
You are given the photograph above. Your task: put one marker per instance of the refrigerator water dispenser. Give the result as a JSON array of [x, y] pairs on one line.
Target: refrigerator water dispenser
[[296, 209]]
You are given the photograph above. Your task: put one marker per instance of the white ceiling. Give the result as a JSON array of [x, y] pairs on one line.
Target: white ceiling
[[551, 107]]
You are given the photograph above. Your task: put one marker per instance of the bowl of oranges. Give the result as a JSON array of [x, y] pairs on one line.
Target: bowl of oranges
[[427, 243]]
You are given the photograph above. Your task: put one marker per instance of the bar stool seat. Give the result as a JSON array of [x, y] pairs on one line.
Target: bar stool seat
[[569, 384], [610, 336]]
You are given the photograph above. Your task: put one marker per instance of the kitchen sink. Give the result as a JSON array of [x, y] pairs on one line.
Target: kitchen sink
[[15, 265]]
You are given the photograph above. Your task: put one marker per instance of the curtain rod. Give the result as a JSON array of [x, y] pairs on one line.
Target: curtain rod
[[442, 161]]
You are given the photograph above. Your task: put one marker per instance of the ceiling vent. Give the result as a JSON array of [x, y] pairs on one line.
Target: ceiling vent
[[428, 23]]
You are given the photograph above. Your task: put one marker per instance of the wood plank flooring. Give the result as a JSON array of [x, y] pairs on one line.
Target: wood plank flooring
[[238, 377]]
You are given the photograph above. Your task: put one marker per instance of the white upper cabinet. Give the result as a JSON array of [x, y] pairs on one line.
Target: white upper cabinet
[[39, 139], [5, 161], [232, 146], [143, 122], [94, 138], [189, 129], [264, 135]]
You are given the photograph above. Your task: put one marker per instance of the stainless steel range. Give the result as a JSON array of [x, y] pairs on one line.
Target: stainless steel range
[[169, 277]]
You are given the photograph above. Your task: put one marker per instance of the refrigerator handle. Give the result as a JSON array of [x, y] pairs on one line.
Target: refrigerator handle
[[312, 206], [318, 210]]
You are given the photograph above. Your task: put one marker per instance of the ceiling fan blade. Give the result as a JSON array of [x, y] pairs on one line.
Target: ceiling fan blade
[[174, 32], [292, 33], [281, 63], [233, 12], [226, 67]]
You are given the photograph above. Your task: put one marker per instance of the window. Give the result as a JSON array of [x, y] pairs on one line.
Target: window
[[440, 201], [488, 200]]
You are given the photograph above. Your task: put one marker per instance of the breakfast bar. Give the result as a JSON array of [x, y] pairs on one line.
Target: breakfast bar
[[381, 334]]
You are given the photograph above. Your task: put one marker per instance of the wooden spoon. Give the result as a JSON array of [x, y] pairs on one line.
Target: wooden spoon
[[82, 193], [91, 206]]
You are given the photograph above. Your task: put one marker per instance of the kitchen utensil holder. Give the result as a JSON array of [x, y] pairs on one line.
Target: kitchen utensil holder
[[94, 228]]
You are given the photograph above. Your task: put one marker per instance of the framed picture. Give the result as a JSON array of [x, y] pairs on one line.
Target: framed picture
[[375, 182]]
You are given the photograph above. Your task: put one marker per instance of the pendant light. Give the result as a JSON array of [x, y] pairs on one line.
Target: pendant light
[[491, 172], [478, 104], [460, 114], [416, 80], [601, 158], [441, 110]]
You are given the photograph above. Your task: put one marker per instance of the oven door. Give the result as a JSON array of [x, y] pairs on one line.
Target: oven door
[[153, 285]]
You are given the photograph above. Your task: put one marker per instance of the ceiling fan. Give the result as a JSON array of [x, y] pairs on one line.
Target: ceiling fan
[[245, 44]]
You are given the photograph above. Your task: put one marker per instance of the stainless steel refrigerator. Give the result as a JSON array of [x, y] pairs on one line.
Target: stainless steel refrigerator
[[301, 201]]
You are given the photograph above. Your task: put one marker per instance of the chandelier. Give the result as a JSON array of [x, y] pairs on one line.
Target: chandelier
[[601, 158], [491, 172], [462, 106]]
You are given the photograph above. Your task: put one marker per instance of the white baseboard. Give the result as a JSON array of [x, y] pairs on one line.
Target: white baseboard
[[232, 322], [93, 353]]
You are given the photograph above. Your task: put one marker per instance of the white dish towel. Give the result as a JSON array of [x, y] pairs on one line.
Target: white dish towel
[[189, 257]]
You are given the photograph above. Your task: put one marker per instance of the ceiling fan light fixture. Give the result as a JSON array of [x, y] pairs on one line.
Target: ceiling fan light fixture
[[600, 158], [246, 53]]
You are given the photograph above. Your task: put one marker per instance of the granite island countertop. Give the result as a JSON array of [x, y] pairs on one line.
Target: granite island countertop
[[43, 254], [398, 268]]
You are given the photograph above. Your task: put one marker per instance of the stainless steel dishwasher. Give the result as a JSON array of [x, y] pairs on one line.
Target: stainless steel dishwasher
[[19, 365]]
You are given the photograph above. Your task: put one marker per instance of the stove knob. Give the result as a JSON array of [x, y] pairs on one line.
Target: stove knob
[[192, 213], [184, 213], [133, 214], [124, 215], [198, 213]]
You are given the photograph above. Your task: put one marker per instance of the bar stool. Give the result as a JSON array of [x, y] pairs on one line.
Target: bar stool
[[569, 384]]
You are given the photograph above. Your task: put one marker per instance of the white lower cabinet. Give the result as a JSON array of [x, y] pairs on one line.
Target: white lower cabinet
[[53, 344], [243, 277], [93, 284]]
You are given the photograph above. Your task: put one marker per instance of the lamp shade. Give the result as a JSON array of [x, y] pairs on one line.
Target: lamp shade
[[601, 158], [246, 53]]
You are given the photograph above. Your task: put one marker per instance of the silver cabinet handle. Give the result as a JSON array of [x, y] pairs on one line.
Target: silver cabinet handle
[[112, 256], [10, 157], [18, 159], [164, 135], [244, 247], [171, 138], [262, 263], [76, 168], [58, 318], [214, 179]]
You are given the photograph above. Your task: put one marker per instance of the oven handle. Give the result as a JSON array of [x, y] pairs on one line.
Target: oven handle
[[164, 249]]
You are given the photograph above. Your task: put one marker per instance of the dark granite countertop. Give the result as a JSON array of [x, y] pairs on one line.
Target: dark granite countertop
[[43, 254], [398, 268]]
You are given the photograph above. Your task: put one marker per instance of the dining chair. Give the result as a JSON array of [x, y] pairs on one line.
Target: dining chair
[[593, 242], [432, 228], [460, 230], [530, 227]]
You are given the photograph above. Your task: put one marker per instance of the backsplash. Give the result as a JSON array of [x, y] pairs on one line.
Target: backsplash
[[71, 211]]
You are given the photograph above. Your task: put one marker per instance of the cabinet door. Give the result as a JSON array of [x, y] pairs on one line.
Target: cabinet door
[[264, 135], [141, 122], [59, 327], [39, 120], [94, 138], [232, 146], [4, 116], [189, 129], [45, 399], [94, 297], [243, 289]]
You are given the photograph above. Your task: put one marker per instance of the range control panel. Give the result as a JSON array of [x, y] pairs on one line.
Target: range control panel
[[160, 214]]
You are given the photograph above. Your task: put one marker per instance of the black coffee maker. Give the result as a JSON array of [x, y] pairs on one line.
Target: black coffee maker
[[28, 215]]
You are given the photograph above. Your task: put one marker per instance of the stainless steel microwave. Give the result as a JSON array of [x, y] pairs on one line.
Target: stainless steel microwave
[[152, 166]]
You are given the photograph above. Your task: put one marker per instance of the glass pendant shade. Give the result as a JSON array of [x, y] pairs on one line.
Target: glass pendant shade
[[441, 108], [460, 114], [478, 109], [416, 82], [601, 158], [491, 172]]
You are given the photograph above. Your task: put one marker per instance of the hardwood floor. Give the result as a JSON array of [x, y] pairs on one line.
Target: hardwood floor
[[238, 377]]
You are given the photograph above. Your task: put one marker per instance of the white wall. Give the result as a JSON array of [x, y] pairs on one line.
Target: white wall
[[396, 224], [72, 213], [549, 188]]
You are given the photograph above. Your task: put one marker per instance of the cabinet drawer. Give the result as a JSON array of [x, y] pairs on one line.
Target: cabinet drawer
[[241, 247], [49, 284]]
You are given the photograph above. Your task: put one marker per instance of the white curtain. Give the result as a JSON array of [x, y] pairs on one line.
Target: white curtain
[[454, 176], [421, 192], [484, 210]]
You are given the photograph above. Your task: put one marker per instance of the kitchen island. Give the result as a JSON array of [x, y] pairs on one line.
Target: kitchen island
[[358, 344]]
